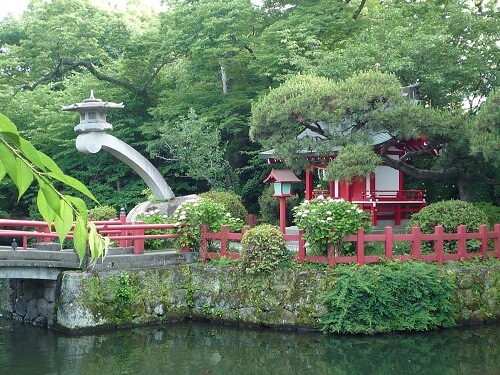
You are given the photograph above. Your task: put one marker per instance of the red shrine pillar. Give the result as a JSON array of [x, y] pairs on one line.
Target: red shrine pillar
[[309, 184]]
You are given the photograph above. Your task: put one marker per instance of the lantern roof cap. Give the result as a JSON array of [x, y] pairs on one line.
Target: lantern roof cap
[[281, 175], [91, 104]]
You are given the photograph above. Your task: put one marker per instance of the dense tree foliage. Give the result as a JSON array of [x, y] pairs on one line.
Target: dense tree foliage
[[214, 58], [340, 114]]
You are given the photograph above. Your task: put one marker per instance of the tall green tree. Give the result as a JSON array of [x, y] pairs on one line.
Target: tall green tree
[[340, 113], [195, 143], [216, 57]]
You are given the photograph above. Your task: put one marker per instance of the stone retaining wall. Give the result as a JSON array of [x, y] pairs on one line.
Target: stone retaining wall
[[284, 299], [29, 301]]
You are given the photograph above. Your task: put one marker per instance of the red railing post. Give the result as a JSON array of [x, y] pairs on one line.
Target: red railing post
[[389, 242], [252, 221], [439, 244], [124, 232], [224, 230], [415, 243], [496, 241], [374, 213], [48, 229], [204, 244], [138, 242], [331, 254], [360, 247], [302, 248], [462, 241], [483, 231]]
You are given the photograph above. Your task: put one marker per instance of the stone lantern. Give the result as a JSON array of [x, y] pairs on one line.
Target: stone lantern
[[93, 114], [282, 180], [94, 137]]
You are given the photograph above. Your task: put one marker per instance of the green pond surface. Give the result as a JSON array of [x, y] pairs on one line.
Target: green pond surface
[[203, 349]]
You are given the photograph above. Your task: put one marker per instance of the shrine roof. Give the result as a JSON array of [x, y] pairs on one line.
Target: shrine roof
[[281, 175]]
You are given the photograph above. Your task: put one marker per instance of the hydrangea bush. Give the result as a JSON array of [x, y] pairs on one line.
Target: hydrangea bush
[[190, 215], [328, 221]]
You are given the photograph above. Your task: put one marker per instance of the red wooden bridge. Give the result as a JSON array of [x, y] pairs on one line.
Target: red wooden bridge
[[37, 257]]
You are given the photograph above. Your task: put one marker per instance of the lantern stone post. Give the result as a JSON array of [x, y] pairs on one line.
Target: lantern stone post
[[282, 180], [93, 126]]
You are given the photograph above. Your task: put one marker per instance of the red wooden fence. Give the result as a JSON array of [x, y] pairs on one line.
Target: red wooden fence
[[133, 234], [388, 239]]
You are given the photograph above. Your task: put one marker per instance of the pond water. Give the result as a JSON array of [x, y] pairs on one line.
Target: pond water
[[202, 349]]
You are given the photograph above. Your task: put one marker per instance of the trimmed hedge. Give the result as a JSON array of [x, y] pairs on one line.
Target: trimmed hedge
[[263, 249]]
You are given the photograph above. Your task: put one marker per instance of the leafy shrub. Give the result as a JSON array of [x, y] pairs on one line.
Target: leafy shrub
[[270, 209], [355, 160], [191, 215], [102, 213], [450, 214], [153, 217], [263, 249], [491, 211], [328, 221], [389, 297], [231, 202], [148, 194]]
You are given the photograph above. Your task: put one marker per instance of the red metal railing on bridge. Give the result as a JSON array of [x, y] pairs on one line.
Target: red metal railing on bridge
[[127, 234]]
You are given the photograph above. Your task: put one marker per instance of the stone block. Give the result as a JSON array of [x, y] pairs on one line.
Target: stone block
[[28, 290], [47, 246], [32, 310], [49, 292], [21, 306]]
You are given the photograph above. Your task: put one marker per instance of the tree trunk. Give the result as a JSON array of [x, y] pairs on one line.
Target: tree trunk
[[224, 79], [464, 190]]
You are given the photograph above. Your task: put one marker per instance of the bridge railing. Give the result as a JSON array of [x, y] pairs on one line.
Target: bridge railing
[[426, 247], [126, 234]]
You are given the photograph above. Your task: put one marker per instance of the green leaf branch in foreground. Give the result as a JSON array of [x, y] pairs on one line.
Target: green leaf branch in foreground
[[24, 164]]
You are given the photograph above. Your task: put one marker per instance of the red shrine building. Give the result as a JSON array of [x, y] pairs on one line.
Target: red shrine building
[[382, 193]]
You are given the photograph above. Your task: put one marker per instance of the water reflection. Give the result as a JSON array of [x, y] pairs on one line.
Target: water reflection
[[198, 349]]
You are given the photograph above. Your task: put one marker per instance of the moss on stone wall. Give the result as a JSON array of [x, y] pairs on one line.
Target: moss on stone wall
[[477, 293], [290, 298]]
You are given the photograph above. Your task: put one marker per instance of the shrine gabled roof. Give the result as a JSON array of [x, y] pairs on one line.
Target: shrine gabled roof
[[281, 175], [377, 139]]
